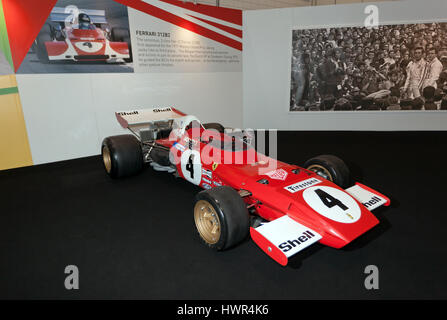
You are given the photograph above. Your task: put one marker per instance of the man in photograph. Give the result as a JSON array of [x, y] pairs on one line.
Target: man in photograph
[[389, 58], [327, 75], [434, 69], [415, 75], [371, 58], [300, 72]]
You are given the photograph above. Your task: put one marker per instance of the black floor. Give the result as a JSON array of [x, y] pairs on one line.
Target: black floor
[[135, 238]]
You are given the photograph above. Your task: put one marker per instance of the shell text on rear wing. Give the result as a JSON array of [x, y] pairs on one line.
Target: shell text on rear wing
[[143, 116]]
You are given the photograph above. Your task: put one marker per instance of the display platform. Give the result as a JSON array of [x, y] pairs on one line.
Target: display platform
[[135, 238]]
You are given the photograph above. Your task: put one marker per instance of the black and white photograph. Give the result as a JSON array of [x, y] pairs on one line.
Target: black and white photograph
[[82, 36], [387, 68]]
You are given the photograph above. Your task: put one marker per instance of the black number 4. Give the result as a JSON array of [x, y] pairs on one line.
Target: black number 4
[[329, 200], [190, 166]]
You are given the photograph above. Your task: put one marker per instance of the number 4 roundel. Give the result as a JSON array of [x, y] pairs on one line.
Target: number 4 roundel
[[332, 203], [191, 166]]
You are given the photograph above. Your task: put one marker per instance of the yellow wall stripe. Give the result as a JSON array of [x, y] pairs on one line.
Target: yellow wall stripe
[[14, 145], [8, 81]]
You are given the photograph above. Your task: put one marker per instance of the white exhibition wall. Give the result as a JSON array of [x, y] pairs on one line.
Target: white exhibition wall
[[267, 66], [68, 115]]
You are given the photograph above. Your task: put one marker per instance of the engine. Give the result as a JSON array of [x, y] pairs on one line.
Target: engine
[[155, 130], [157, 155]]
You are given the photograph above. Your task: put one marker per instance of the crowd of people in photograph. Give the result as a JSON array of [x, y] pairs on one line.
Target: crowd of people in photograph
[[393, 67]]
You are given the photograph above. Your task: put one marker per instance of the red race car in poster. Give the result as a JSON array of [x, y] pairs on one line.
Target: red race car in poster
[[82, 35], [284, 208]]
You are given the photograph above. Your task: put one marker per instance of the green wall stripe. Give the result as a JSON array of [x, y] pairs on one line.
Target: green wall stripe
[[9, 91]]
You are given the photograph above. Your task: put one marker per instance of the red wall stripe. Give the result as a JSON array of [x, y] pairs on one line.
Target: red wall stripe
[[178, 21], [24, 19], [226, 14], [236, 32]]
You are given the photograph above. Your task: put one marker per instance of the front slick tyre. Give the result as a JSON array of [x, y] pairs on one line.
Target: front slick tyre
[[122, 156], [221, 217], [331, 168]]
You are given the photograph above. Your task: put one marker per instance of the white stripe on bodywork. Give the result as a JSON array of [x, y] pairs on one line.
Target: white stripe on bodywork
[[71, 51]]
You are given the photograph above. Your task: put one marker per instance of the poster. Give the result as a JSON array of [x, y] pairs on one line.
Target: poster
[[125, 36], [388, 68], [82, 36], [172, 36]]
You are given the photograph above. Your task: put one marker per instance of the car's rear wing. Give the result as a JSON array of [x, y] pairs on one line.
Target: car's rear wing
[[136, 118], [63, 14], [140, 121]]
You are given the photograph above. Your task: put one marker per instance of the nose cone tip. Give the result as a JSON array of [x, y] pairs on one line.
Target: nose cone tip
[[340, 235]]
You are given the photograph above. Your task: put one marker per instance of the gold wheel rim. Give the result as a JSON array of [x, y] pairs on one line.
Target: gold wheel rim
[[107, 159], [207, 222], [321, 171]]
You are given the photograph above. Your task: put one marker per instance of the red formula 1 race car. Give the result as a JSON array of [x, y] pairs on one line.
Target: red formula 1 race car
[[285, 208], [81, 35]]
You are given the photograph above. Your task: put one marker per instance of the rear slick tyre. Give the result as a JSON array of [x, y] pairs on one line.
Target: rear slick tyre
[[122, 156]]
